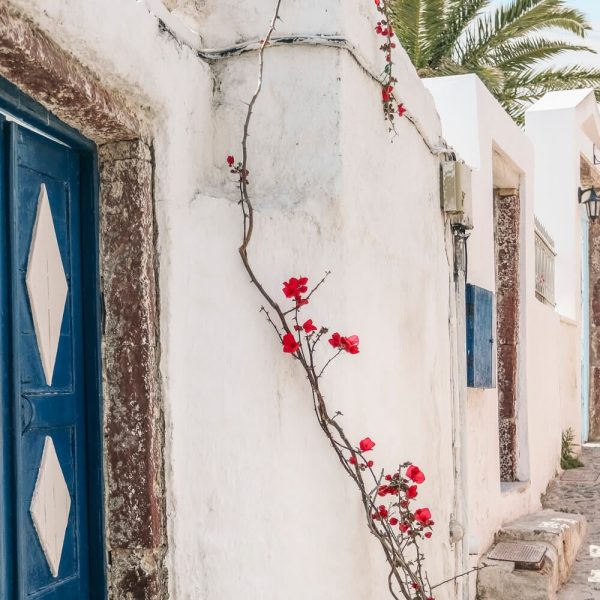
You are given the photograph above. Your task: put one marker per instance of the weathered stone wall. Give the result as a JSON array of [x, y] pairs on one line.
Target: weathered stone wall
[[134, 419], [40, 68], [594, 245], [507, 210]]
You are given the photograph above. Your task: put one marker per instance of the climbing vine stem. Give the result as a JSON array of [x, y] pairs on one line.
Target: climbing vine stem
[[388, 498]]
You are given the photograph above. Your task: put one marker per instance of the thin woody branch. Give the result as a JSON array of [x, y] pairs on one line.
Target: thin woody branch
[[396, 526]]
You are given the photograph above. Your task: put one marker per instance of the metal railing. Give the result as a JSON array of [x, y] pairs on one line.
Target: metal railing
[[544, 265]]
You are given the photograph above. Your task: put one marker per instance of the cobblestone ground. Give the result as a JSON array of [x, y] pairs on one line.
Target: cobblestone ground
[[583, 498]]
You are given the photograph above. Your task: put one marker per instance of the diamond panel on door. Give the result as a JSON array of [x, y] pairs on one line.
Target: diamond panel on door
[[50, 506], [46, 285]]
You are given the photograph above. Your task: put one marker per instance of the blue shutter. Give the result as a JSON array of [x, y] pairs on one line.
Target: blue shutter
[[480, 338]]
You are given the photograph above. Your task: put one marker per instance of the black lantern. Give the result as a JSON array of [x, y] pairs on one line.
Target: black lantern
[[591, 201]]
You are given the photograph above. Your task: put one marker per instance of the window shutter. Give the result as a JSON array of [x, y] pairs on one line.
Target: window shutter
[[480, 338]]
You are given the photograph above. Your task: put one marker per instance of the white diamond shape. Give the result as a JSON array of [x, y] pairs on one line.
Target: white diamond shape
[[46, 285], [50, 506]]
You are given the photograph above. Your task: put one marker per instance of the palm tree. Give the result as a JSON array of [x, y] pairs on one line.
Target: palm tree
[[505, 46]]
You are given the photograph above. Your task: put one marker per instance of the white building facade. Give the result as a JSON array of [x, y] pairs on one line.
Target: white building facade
[[213, 480]]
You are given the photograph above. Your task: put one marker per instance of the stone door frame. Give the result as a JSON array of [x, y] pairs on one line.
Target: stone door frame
[[507, 243], [588, 178], [133, 444]]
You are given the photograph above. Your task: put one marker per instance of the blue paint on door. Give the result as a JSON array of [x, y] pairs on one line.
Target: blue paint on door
[[67, 411], [480, 337]]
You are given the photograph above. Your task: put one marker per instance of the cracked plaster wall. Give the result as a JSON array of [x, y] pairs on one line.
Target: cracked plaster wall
[[257, 507]]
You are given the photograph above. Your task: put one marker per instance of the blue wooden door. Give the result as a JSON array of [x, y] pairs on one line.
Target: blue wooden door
[[46, 545]]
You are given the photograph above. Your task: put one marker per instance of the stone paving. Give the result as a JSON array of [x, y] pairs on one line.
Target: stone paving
[[578, 491]]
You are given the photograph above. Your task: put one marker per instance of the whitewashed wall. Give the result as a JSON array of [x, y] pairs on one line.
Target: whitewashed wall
[[502, 155], [572, 118], [564, 127], [258, 507]]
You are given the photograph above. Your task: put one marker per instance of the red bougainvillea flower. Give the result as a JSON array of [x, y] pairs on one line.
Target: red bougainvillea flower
[[393, 521], [290, 344], [413, 472], [230, 160], [423, 515], [366, 444], [377, 2], [401, 109], [404, 527], [386, 93], [384, 490], [415, 586], [350, 344], [384, 31], [428, 534], [370, 464], [352, 460], [383, 511], [336, 340], [295, 287], [308, 326], [411, 492]]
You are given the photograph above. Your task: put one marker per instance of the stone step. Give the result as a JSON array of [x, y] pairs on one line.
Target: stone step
[[559, 535]]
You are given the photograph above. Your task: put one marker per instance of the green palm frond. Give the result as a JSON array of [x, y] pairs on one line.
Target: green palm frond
[[524, 16], [521, 54], [459, 14], [518, 19], [407, 17], [505, 47], [552, 79], [522, 89], [434, 23]]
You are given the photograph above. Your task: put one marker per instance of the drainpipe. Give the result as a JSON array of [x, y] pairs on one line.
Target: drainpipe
[[459, 526]]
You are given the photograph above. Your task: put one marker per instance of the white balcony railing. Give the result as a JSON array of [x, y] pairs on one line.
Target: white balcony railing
[[544, 265]]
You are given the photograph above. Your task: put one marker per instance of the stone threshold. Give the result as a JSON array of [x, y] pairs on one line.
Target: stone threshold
[[555, 534]]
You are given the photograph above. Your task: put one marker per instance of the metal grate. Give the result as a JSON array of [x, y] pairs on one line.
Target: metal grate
[[525, 556]]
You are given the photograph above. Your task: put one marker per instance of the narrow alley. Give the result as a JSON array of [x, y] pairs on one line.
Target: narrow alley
[[578, 491]]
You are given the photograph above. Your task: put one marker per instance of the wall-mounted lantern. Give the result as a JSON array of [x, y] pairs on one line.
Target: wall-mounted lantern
[[590, 198]]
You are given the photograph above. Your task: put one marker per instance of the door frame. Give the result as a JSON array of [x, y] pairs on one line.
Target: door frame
[[585, 330], [58, 86], [22, 111]]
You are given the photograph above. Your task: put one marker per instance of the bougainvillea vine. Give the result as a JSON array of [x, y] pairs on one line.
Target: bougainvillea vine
[[392, 108], [389, 497]]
